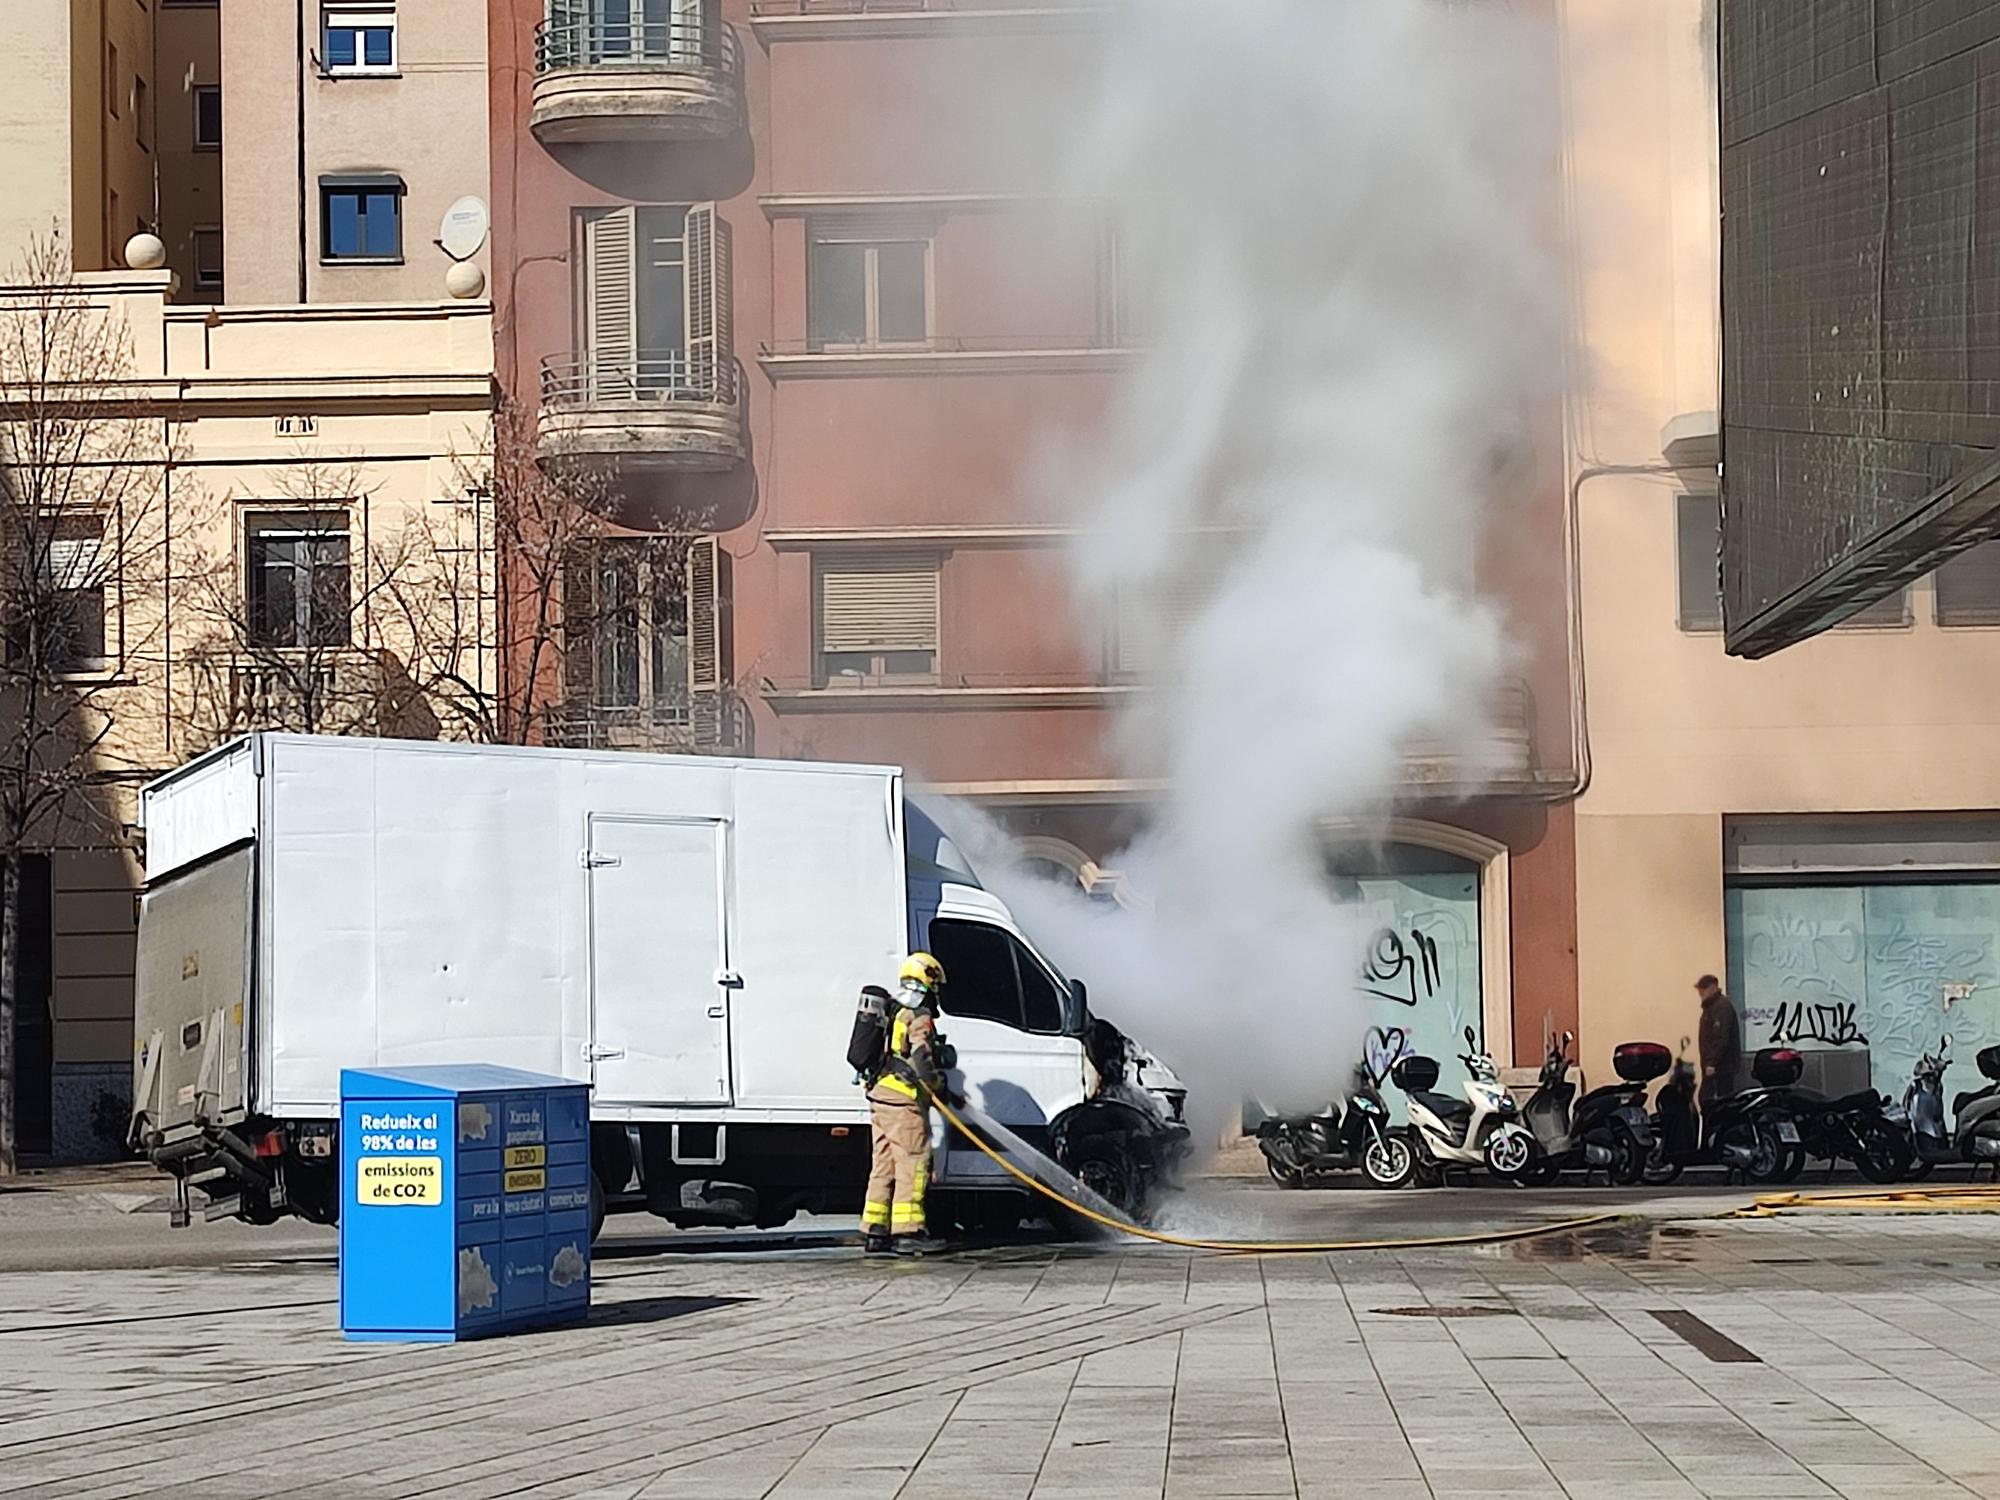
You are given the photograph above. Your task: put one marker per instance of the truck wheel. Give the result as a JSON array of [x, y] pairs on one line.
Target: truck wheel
[[1103, 1168], [596, 1208]]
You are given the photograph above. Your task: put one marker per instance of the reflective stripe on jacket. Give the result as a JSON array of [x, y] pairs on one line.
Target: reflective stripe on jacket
[[907, 1069]]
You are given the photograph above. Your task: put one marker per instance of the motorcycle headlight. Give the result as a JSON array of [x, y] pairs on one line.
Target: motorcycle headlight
[[1507, 1106]]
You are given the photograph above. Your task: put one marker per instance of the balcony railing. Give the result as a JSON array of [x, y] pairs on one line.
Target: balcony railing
[[288, 695], [649, 379], [658, 411], [703, 722], [664, 44], [602, 80]]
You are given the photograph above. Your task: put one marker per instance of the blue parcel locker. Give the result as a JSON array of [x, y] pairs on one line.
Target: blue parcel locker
[[465, 1201]]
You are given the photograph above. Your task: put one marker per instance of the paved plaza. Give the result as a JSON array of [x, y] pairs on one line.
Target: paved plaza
[[1657, 1358]]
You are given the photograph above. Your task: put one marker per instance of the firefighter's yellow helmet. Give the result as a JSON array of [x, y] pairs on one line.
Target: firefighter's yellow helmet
[[923, 971]]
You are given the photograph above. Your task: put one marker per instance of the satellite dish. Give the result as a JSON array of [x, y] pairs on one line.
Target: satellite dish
[[464, 228]]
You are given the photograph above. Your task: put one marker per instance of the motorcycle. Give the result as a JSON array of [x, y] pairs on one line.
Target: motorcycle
[[1751, 1132], [1976, 1137], [1298, 1149], [1482, 1129], [1851, 1128], [1608, 1128]]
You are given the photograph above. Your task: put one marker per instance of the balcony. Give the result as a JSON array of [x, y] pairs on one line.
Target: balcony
[[627, 80], [700, 723], [1504, 762], [656, 412]]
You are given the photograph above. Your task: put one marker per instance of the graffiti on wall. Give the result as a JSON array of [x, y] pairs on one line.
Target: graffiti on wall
[[1827, 1025], [1401, 969], [1885, 967]]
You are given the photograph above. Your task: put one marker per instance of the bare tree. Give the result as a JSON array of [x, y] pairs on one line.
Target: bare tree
[[81, 466], [593, 616]]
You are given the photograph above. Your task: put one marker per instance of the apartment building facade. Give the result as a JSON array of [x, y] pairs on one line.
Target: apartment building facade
[[358, 124], [1818, 827], [78, 91], [321, 434], [796, 274]]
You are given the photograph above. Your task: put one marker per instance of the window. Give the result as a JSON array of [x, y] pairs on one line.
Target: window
[[296, 591], [361, 218], [877, 618], [1968, 587], [207, 117], [208, 260], [1149, 625], [114, 247], [1124, 294], [111, 80], [139, 113], [989, 976], [75, 576], [627, 608], [1892, 613], [867, 289], [358, 39], [653, 308], [1697, 546], [599, 31]]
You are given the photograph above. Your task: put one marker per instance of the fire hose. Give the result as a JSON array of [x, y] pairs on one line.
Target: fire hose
[[1111, 1221]]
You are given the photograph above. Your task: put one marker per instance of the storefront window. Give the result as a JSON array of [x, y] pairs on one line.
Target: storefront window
[[1886, 967]]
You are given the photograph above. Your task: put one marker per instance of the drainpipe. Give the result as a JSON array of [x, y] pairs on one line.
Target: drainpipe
[[299, 19]]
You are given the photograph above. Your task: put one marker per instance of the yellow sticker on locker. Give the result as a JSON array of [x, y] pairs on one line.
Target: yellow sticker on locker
[[397, 1181], [525, 1182], [526, 1156]]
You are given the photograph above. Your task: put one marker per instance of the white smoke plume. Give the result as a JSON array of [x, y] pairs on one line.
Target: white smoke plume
[[1334, 213]]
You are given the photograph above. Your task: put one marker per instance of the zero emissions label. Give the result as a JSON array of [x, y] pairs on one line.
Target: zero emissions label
[[392, 1180]]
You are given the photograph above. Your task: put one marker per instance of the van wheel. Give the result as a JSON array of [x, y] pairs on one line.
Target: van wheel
[[1103, 1168], [596, 1208]]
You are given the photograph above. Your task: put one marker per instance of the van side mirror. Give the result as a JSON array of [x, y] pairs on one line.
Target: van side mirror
[[1078, 1007]]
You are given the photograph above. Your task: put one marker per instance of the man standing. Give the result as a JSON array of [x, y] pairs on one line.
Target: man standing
[[1721, 1042], [892, 1215]]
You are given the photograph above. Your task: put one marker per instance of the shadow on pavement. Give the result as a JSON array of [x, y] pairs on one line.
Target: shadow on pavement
[[655, 1309]]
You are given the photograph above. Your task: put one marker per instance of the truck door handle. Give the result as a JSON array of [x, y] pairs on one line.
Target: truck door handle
[[715, 1013], [601, 1054], [729, 979]]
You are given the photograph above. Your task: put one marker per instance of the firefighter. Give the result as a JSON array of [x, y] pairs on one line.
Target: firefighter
[[892, 1216]]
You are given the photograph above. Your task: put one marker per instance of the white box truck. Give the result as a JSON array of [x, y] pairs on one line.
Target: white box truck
[[688, 935]]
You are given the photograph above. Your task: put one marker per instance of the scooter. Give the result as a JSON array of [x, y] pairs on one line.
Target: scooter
[[1298, 1149], [1976, 1137], [1751, 1132], [1482, 1129], [1676, 1131], [1608, 1128]]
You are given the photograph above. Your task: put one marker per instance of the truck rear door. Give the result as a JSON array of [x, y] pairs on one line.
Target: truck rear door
[[193, 993], [659, 960]]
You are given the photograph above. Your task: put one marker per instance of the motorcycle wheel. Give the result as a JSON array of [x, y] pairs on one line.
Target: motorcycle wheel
[[1285, 1177], [1792, 1161], [1882, 1154], [1766, 1151], [1428, 1174], [1389, 1161], [1628, 1160], [1513, 1156], [1660, 1168], [1919, 1169]]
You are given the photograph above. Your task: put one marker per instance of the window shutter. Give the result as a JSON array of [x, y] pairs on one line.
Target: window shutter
[[710, 338], [76, 563], [708, 640], [1145, 635], [878, 602], [611, 302], [1968, 587], [708, 615]]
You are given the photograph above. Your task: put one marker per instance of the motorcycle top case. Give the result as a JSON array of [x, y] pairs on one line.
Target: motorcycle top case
[[1777, 1067], [1416, 1073], [1988, 1061], [1641, 1062]]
